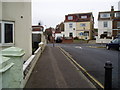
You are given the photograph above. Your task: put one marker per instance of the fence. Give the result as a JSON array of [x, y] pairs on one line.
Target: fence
[[13, 73]]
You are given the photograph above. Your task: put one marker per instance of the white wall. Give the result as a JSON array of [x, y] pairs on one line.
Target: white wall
[[12, 11], [102, 29], [70, 30], [98, 40]]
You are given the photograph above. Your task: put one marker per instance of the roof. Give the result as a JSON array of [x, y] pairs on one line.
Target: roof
[[77, 17], [90, 13], [37, 28], [112, 15]]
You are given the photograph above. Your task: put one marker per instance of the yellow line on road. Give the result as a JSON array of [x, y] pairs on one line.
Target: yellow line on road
[[68, 55], [70, 60]]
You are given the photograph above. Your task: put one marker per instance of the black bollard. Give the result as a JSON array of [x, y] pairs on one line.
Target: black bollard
[[108, 76]]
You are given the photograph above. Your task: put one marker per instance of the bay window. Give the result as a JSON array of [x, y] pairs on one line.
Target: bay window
[[6, 32]]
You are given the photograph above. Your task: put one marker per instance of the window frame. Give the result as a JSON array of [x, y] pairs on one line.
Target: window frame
[[117, 14], [105, 24], [84, 17], [71, 34], [81, 34], [3, 33], [70, 17], [118, 24], [86, 34], [102, 15], [70, 25], [81, 24]]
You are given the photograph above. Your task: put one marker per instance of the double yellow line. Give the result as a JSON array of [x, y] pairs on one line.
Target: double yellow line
[[78, 65]]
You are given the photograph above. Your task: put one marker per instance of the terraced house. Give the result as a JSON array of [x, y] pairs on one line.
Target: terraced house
[[79, 25], [108, 25]]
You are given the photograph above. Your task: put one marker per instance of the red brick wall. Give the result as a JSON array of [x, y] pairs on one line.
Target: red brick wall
[[67, 40]]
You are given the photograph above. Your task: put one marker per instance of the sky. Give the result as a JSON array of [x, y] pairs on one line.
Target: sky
[[52, 12]]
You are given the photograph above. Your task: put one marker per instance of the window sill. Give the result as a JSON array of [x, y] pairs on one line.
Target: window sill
[[6, 44]]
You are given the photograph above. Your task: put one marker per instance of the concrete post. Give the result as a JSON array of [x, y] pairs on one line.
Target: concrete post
[[13, 78]]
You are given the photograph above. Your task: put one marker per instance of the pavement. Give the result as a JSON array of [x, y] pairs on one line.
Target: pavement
[[54, 70]]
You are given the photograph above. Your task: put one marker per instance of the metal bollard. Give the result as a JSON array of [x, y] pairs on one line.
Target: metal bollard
[[108, 76]]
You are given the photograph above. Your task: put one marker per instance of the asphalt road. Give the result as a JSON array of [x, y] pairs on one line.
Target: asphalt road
[[93, 59], [54, 70]]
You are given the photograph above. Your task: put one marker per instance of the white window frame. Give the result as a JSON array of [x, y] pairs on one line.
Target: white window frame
[[70, 25], [3, 33], [117, 14], [70, 17], [105, 22], [102, 15], [83, 17]]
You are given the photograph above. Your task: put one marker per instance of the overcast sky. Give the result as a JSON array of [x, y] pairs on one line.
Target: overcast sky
[[52, 12]]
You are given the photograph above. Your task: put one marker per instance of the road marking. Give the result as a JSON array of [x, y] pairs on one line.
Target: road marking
[[78, 47], [70, 58]]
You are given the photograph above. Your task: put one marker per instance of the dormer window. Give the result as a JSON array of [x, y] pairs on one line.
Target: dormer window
[[117, 14], [105, 15], [70, 17], [83, 17]]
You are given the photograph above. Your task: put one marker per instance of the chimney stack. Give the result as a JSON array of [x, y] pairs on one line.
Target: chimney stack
[[112, 8]]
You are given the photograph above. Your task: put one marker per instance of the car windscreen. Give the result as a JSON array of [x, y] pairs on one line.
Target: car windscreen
[[116, 41]]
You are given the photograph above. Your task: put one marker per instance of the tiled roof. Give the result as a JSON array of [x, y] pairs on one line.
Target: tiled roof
[[77, 17]]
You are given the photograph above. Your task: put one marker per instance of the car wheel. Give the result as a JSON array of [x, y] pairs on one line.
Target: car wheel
[[108, 48]]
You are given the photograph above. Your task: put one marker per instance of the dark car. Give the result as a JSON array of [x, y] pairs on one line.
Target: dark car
[[58, 39], [115, 44]]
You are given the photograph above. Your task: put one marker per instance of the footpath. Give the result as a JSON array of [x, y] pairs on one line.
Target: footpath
[[54, 70]]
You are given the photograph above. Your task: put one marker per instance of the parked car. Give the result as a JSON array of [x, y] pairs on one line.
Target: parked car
[[58, 39], [115, 44]]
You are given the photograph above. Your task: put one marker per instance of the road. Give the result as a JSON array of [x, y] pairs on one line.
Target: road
[[54, 70], [93, 59]]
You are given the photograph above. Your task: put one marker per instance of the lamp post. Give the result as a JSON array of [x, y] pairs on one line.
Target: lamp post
[[53, 32]]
